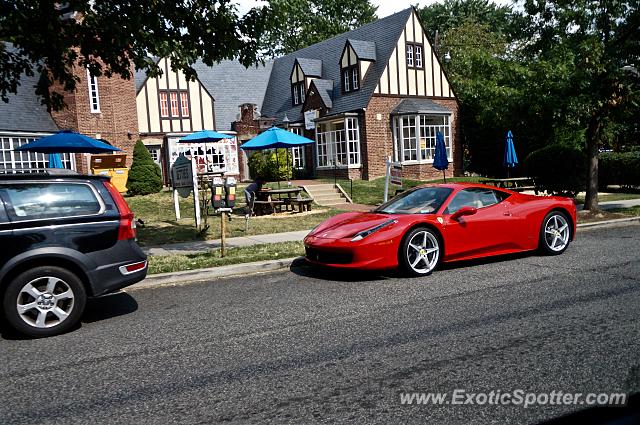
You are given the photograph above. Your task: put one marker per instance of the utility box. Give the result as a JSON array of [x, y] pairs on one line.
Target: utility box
[[114, 166]]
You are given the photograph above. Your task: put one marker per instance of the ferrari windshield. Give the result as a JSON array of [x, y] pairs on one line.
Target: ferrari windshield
[[425, 200]]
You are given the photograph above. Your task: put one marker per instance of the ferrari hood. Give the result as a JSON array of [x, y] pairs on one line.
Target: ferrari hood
[[347, 225]]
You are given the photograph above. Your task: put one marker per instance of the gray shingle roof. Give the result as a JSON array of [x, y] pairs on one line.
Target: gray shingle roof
[[231, 84], [25, 112], [407, 106], [325, 91], [384, 32], [310, 67], [365, 50]]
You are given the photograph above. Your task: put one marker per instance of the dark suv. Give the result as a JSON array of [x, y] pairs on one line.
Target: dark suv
[[63, 237]]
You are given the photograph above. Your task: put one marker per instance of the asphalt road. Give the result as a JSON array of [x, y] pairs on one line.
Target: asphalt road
[[305, 346]]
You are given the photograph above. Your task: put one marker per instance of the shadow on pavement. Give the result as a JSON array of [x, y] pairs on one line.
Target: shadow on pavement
[[302, 268], [109, 306]]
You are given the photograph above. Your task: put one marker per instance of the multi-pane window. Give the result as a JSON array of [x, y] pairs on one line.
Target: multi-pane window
[[350, 78], [338, 143], [297, 152], [418, 49], [416, 136], [410, 55], [12, 161], [184, 104], [298, 93], [415, 55], [174, 104], [94, 98], [164, 106]]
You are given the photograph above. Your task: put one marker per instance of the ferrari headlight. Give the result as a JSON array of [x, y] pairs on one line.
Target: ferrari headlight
[[365, 233]]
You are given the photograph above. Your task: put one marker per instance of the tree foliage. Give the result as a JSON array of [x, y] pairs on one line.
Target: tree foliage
[[145, 176], [268, 166], [295, 24], [106, 36]]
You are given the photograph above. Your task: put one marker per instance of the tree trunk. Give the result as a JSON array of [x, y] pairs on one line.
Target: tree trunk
[[593, 136]]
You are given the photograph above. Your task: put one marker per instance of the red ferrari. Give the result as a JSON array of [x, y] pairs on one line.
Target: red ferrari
[[442, 223]]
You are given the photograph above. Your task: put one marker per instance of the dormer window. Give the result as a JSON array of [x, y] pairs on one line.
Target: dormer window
[[298, 93], [350, 79]]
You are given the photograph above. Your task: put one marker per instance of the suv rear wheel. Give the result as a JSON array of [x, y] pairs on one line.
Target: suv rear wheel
[[44, 301]]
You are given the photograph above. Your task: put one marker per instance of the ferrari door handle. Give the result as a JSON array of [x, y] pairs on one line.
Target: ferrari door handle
[[507, 213]]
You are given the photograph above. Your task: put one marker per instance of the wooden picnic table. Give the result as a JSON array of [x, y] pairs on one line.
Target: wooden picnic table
[[268, 201], [517, 184]]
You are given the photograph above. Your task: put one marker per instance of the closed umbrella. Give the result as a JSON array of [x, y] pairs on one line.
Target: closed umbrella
[[510, 158], [440, 160], [55, 161]]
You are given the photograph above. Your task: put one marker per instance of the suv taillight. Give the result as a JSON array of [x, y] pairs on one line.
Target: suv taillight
[[127, 229]]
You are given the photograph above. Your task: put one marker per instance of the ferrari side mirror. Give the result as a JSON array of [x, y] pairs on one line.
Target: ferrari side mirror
[[463, 211]]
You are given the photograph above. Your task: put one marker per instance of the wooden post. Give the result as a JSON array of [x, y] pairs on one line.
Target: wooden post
[[223, 231]]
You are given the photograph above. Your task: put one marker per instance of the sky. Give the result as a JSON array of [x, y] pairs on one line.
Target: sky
[[385, 7]]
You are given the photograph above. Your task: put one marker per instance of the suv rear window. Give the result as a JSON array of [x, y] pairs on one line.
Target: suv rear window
[[51, 200]]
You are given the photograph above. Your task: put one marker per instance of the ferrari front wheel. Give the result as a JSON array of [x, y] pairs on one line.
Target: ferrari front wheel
[[420, 252], [555, 233]]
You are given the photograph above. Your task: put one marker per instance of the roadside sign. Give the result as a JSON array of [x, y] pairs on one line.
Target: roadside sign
[[309, 116], [184, 180], [396, 174]]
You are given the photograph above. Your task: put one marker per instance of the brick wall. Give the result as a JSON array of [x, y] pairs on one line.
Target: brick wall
[[117, 121], [340, 173], [377, 141]]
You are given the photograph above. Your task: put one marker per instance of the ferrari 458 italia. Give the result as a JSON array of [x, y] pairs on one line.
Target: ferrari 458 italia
[[430, 224]]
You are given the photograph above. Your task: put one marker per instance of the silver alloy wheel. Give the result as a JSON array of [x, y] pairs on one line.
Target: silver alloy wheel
[[423, 252], [45, 302], [556, 232]]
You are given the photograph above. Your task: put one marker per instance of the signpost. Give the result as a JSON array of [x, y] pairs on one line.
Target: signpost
[[393, 175], [184, 181]]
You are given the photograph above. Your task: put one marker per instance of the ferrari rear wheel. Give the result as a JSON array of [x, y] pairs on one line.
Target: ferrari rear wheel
[[420, 252], [555, 233]]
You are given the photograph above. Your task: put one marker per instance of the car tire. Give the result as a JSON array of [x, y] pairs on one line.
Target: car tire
[[555, 233], [44, 301], [420, 252]]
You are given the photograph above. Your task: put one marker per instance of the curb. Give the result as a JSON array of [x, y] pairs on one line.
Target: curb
[[241, 269], [608, 223]]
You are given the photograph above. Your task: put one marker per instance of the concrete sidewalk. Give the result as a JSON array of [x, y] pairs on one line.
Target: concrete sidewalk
[[203, 246], [611, 205]]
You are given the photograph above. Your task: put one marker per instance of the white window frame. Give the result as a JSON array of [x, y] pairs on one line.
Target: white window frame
[[339, 148], [297, 152], [420, 147], [19, 161], [94, 97], [347, 80], [418, 56], [164, 107], [409, 54], [174, 101], [356, 78], [184, 104]]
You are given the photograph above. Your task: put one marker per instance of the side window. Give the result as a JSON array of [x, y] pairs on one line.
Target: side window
[[3, 213], [475, 197], [51, 200]]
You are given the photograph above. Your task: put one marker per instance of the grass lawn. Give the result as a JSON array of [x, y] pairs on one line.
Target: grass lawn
[[371, 192], [589, 217], [161, 227], [172, 263]]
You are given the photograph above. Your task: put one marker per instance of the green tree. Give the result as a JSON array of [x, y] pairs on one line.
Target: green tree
[[49, 37], [295, 24], [600, 44], [145, 176]]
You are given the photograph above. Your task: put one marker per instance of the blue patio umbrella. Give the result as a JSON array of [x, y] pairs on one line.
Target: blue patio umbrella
[[205, 136], [67, 141], [55, 161], [440, 160], [510, 158], [275, 138]]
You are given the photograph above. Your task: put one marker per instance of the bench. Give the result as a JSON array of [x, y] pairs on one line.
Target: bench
[[261, 207], [304, 204]]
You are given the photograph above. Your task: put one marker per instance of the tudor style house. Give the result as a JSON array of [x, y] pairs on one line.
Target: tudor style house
[[376, 92]]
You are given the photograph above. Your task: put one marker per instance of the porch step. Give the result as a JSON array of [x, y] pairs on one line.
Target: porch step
[[325, 194]]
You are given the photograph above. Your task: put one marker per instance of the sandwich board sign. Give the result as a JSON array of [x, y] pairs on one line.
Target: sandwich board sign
[[184, 180]]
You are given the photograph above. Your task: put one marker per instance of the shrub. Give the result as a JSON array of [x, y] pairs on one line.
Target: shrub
[[558, 169], [621, 168], [266, 166], [145, 176]]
